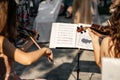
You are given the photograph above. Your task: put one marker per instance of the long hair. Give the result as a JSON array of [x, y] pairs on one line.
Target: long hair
[[115, 29], [3, 14], [9, 19]]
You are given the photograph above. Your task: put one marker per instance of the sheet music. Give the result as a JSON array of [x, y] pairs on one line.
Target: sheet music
[[84, 41], [65, 35]]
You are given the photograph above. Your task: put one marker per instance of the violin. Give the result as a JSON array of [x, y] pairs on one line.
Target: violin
[[98, 28], [29, 32]]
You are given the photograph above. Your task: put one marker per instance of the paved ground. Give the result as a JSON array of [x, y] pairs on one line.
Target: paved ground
[[65, 66]]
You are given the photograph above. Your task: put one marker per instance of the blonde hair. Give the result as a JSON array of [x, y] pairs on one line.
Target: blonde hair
[[8, 9], [3, 14]]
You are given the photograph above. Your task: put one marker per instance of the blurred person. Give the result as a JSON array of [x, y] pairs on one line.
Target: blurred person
[[24, 12], [67, 8], [82, 11], [113, 5], [8, 52], [36, 5]]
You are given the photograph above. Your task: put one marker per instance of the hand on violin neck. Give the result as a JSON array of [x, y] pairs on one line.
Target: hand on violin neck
[[91, 32]]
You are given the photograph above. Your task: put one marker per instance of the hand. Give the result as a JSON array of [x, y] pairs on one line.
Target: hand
[[49, 54], [94, 35]]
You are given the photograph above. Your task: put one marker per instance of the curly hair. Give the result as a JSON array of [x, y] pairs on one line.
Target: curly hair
[[112, 30], [115, 29]]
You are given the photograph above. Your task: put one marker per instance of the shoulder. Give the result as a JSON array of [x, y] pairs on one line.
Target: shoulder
[[106, 43], [1, 39], [1, 43], [106, 39], [4, 42]]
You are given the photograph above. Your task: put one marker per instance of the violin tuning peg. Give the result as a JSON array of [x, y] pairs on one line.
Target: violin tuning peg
[[85, 31], [78, 28], [81, 26]]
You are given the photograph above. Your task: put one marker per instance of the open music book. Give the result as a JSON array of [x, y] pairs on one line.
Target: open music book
[[65, 35]]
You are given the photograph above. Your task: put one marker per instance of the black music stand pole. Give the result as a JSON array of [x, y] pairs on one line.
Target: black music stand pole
[[78, 64]]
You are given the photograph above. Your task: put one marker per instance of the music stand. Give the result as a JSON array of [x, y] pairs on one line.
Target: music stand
[[78, 62]]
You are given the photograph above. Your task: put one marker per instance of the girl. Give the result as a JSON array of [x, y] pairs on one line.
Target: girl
[[8, 52], [110, 45]]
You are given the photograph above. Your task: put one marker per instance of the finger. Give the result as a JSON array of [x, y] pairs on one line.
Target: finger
[[95, 33]]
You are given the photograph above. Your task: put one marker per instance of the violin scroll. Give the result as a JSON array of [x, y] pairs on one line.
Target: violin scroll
[[81, 29]]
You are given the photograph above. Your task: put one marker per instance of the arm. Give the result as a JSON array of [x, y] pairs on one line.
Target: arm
[[101, 50], [25, 58], [96, 46], [7, 65]]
